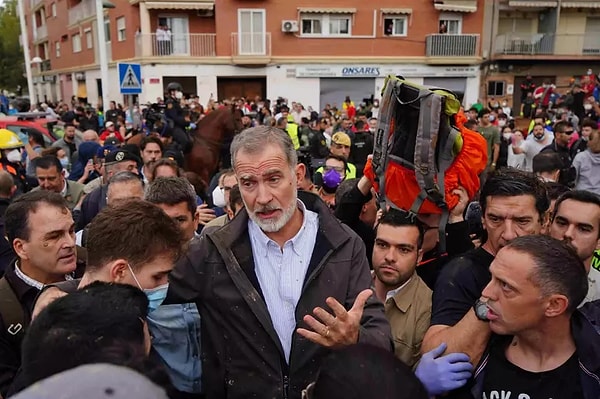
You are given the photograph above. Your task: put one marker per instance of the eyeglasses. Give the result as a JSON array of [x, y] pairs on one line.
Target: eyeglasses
[[339, 169]]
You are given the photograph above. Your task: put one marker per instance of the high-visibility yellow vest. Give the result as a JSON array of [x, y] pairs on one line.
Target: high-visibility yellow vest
[[292, 130]]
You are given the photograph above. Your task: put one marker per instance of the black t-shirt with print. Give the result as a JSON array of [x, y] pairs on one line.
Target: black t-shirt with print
[[459, 285], [505, 380]]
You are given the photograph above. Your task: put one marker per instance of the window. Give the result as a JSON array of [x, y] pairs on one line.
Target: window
[[57, 48], [339, 26], [76, 40], [252, 32], [107, 30], [495, 88], [89, 39], [326, 25], [395, 26], [311, 26], [53, 10], [450, 23], [121, 29]]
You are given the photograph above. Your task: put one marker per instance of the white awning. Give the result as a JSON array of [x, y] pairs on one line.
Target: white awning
[[456, 5], [580, 4], [326, 10], [396, 11], [180, 5], [537, 4]]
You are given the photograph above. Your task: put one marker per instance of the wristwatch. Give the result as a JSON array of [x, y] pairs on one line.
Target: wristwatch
[[481, 310]]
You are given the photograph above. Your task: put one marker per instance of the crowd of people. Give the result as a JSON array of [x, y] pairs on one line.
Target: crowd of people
[[283, 276]]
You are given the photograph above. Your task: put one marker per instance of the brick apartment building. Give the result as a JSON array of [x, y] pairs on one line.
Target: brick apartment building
[[555, 40], [310, 51]]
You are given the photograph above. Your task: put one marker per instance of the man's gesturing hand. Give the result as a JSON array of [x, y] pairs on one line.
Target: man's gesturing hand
[[339, 329]]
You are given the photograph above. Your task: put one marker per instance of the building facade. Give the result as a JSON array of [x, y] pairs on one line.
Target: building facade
[[550, 40], [309, 51]]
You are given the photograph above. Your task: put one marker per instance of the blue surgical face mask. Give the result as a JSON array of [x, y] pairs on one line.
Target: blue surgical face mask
[[156, 296], [64, 162]]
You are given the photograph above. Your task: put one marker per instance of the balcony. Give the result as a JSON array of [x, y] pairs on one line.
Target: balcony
[[83, 10], [34, 4], [190, 45], [45, 66], [547, 45], [41, 32], [251, 48], [447, 45]]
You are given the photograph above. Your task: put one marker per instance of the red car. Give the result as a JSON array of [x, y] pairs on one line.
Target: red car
[[22, 122]]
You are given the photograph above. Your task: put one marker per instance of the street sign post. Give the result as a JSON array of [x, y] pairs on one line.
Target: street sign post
[[130, 79]]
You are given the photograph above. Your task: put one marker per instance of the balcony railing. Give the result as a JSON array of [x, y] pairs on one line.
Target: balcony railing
[[448, 45], [547, 44], [251, 44], [193, 45], [85, 9], [45, 66], [41, 32]]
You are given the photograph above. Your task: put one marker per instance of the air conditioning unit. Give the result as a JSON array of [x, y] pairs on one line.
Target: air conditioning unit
[[289, 26], [206, 13]]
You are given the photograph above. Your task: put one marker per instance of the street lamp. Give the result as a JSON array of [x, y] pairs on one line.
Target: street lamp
[[26, 55], [103, 58]]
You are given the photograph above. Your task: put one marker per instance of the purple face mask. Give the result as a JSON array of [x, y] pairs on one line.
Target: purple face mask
[[332, 179]]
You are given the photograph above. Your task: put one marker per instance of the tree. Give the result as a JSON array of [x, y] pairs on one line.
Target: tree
[[11, 53]]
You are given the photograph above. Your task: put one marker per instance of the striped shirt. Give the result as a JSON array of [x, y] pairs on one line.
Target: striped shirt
[[281, 272]]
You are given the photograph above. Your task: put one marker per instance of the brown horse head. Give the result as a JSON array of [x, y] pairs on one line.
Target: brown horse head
[[212, 138]]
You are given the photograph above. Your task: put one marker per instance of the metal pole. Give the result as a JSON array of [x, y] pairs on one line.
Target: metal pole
[[103, 58], [27, 56]]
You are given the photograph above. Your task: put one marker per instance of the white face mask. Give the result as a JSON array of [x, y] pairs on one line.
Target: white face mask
[[507, 136], [588, 107], [218, 197], [178, 95], [14, 156], [501, 122]]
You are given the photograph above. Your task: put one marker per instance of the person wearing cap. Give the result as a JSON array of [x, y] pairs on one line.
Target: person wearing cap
[[111, 132], [10, 158], [340, 146], [116, 161]]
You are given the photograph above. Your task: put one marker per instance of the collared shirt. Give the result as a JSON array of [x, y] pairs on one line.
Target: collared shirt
[[26, 279], [409, 314], [65, 189], [392, 293], [175, 331], [281, 272], [31, 282]]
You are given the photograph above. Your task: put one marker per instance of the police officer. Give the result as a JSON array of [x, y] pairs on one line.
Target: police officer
[[176, 117], [10, 160]]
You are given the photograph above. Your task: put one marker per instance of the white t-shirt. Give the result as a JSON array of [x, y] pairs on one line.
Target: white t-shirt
[[531, 148]]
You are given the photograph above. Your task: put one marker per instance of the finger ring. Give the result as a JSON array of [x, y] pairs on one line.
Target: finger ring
[[326, 332]]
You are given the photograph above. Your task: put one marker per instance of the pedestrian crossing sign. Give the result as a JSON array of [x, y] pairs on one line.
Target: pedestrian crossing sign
[[130, 78]]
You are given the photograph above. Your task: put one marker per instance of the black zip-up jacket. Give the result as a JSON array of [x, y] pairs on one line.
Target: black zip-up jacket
[[241, 352]]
